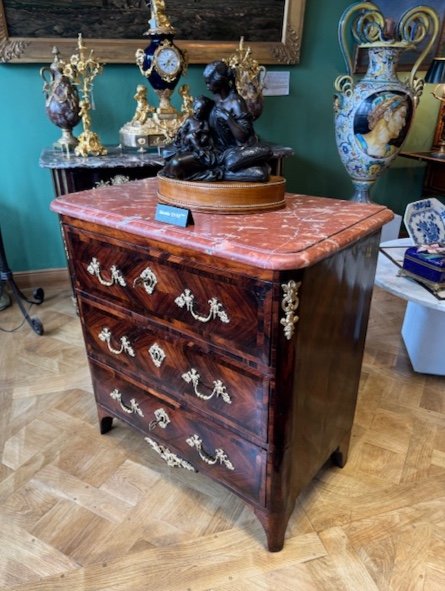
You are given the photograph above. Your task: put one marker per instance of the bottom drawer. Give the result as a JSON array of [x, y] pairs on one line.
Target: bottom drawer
[[208, 447]]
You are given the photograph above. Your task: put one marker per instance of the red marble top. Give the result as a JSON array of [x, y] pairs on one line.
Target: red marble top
[[307, 230]]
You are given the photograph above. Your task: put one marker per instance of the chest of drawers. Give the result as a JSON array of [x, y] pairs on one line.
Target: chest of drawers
[[234, 346]]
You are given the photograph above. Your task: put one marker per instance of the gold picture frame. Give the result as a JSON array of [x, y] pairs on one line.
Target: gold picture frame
[[15, 49], [439, 132]]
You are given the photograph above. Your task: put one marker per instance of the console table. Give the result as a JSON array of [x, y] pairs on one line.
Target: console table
[[72, 173], [234, 345]]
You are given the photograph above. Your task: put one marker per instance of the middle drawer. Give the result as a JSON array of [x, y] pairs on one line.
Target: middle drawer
[[175, 365]]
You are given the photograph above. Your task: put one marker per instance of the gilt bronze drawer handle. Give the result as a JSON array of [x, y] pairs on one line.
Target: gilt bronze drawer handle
[[161, 419], [219, 389], [289, 305], [220, 455], [133, 408], [216, 310], [105, 336], [147, 279], [169, 457], [115, 275]]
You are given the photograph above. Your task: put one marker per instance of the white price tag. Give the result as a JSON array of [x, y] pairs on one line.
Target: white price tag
[[276, 84]]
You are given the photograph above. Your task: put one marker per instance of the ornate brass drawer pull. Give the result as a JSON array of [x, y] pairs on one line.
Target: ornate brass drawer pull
[[161, 419], [220, 455], [216, 310], [133, 408], [172, 459], [147, 279], [115, 275], [105, 336], [219, 388]]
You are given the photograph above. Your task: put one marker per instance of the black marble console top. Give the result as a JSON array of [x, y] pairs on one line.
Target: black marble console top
[[116, 157]]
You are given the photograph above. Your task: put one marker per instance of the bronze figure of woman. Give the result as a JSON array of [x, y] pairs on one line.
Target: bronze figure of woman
[[229, 149]]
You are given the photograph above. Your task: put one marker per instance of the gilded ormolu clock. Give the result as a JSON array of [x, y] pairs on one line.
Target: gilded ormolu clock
[[162, 63]]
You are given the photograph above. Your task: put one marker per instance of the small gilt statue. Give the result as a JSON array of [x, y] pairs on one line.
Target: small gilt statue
[[159, 19], [187, 100], [143, 109]]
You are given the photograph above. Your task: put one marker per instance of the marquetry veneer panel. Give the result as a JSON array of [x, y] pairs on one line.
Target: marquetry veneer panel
[[231, 310], [241, 465], [176, 366]]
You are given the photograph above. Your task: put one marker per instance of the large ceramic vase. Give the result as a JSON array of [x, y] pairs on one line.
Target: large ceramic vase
[[373, 115]]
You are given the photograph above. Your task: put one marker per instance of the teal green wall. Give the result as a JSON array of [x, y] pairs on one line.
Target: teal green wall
[[302, 120]]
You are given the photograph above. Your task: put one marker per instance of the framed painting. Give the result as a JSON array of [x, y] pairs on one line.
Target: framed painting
[[207, 30], [393, 10], [439, 132]]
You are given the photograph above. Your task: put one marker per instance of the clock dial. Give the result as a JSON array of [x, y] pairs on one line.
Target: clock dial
[[167, 62]]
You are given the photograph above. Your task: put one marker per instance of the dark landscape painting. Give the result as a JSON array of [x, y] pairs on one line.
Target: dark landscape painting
[[207, 20]]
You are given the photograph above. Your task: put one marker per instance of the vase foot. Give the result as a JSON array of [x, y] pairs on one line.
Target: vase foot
[[362, 193]]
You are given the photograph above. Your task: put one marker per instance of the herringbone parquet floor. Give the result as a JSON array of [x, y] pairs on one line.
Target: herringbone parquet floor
[[85, 512]]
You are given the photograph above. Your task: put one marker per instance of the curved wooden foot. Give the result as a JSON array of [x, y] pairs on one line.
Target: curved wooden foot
[[340, 455], [105, 421], [275, 527]]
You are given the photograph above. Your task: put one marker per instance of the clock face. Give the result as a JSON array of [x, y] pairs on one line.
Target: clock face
[[167, 62]]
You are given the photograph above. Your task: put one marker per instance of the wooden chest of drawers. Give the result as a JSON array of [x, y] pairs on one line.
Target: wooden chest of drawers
[[234, 345]]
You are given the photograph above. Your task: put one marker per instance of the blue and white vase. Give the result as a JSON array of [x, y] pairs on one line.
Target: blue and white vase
[[373, 116]]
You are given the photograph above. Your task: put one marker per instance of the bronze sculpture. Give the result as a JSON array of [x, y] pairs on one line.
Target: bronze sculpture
[[218, 141]]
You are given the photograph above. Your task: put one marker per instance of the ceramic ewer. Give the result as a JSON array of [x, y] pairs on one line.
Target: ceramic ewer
[[62, 102], [373, 115]]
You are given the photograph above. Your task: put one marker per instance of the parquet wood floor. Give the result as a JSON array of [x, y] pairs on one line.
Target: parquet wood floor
[[85, 512]]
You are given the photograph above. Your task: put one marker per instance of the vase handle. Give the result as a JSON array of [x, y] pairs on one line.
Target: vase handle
[[368, 25], [420, 20]]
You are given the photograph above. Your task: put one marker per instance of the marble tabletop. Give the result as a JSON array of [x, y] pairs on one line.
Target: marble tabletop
[[116, 157], [307, 230], [387, 276]]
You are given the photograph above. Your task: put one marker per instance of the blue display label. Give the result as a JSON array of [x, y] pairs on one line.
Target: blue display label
[[173, 215]]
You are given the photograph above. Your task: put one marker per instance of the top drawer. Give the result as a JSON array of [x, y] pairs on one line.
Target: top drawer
[[229, 312]]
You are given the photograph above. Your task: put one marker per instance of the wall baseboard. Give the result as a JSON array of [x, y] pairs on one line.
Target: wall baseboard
[[44, 278]]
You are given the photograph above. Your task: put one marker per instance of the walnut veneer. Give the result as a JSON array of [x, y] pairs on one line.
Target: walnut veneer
[[234, 345]]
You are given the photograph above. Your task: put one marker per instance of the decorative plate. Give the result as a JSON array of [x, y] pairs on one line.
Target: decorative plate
[[425, 221]]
